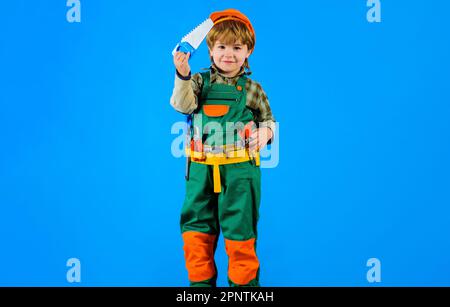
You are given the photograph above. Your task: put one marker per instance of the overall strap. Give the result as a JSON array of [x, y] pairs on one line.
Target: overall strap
[[206, 82], [241, 82]]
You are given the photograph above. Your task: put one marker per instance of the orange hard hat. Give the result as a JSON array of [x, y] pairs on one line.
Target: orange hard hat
[[232, 14]]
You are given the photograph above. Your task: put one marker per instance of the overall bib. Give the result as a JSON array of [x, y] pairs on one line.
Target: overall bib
[[223, 188]]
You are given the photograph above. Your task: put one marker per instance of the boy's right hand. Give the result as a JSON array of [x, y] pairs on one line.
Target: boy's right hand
[[180, 59]]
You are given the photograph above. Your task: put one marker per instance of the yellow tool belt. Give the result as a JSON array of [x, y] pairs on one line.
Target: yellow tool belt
[[235, 156]]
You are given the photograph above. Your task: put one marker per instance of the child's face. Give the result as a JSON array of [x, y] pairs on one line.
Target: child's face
[[229, 58]]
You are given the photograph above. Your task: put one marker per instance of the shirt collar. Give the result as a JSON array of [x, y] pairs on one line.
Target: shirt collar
[[215, 73]]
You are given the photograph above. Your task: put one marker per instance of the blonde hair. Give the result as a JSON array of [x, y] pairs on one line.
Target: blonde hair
[[229, 32]]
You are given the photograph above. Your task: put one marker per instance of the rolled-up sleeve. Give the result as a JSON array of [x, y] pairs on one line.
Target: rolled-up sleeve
[[185, 93], [258, 101]]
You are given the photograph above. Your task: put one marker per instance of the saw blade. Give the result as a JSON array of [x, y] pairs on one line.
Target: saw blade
[[197, 35]]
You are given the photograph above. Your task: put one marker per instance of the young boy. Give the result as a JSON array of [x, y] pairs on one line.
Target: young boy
[[224, 181]]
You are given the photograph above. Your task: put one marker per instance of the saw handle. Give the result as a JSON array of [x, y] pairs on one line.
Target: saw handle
[[185, 47]]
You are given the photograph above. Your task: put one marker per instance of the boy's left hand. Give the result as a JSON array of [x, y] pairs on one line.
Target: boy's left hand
[[260, 137]]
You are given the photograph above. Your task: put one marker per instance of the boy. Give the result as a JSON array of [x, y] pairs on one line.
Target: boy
[[224, 181]]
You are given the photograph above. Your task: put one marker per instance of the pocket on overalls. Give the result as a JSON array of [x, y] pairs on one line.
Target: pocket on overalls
[[215, 110]]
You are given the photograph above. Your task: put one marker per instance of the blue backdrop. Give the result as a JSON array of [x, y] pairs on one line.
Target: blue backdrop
[[86, 169]]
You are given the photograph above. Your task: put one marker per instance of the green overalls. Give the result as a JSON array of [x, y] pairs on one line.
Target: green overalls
[[223, 188]]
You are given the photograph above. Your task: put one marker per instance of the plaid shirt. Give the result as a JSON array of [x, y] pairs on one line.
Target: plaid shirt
[[187, 90]]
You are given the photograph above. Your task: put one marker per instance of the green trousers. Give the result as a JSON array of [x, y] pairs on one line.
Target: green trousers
[[234, 211]]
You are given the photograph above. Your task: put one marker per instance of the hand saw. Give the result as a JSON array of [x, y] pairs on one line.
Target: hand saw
[[191, 41]]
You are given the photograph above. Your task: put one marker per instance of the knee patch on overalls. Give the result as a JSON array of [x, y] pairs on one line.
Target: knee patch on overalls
[[243, 263], [199, 254]]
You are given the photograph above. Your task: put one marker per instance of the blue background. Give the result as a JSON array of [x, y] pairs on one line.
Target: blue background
[[86, 169]]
